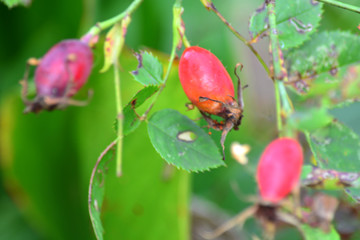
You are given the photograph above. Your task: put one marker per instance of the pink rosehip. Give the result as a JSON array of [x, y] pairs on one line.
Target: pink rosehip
[[279, 169]]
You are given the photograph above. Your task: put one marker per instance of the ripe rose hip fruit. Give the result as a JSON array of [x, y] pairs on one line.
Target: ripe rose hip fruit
[[60, 74], [279, 169], [209, 87]]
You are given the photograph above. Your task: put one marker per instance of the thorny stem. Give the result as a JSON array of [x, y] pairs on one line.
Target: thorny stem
[[210, 6], [120, 118], [283, 104], [110, 22], [341, 5]]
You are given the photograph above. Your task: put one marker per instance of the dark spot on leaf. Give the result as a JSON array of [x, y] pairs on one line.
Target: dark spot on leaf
[[333, 71], [187, 136], [300, 26], [140, 65], [133, 102]]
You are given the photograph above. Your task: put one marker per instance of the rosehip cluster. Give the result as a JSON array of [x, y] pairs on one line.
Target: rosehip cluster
[[60, 74], [209, 87]]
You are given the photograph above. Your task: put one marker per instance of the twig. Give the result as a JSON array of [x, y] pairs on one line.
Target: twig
[[210, 6], [341, 5], [283, 103]]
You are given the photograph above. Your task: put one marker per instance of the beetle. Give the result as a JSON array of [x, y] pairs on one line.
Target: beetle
[[62, 71], [209, 87]]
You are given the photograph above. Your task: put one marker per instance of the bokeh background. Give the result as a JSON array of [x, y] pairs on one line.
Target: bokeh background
[[46, 159]]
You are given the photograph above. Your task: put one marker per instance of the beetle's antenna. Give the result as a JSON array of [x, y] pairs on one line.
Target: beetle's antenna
[[239, 93]]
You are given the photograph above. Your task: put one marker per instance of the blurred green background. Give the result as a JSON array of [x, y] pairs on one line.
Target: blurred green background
[[46, 159]]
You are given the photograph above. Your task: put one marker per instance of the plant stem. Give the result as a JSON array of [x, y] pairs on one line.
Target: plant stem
[[278, 107], [283, 103], [120, 118], [171, 60], [110, 22], [341, 5], [176, 39], [210, 6]]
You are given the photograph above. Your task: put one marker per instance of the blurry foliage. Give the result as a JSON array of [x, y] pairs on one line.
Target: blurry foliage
[[46, 159]]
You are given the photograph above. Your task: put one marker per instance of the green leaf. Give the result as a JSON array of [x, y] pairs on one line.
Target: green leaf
[[182, 143], [97, 190], [354, 194], [310, 119], [296, 20], [128, 204], [322, 66], [336, 147], [114, 43], [344, 112], [149, 70], [305, 171], [131, 121], [14, 3], [316, 233]]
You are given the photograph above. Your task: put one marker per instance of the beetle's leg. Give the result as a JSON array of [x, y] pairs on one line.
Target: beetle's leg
[[211, 122], [226, 129], [203, 99], [24, 82], [239, 89], [237, 220]]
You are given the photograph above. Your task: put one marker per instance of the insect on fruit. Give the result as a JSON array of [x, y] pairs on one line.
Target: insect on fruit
[[60, 74], [279, 169], [209, 87]]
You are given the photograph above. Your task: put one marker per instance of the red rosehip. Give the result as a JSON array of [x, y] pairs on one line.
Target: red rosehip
[[60, 74], [209, 87], [68, 62], [279, 169], [202, 75]]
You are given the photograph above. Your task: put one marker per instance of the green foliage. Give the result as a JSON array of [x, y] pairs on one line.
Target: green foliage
[[336, 146], [149, 70], [131, 120], [354, 194], [46, 160], [296, 21], [309, 119], [14, 3], [316, 233], [324, 64], [182, 143]]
